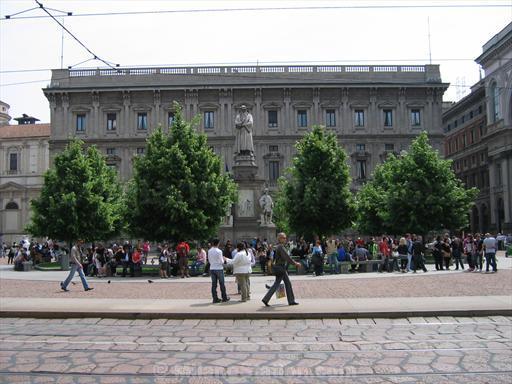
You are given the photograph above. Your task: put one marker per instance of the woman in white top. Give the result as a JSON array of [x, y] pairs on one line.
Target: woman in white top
[[242, 269]]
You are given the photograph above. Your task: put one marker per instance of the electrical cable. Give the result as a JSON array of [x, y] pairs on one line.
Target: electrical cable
[[96, 57], [272, 9]]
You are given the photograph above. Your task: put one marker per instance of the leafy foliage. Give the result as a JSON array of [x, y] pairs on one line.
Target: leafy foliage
[[315, 199], [178, 191], [417, 192], [81, 198]]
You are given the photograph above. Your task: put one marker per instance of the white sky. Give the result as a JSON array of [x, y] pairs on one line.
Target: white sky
[[344, 36]]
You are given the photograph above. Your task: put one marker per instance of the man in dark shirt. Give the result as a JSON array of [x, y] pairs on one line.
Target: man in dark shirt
[[417, 253], [281, 258]]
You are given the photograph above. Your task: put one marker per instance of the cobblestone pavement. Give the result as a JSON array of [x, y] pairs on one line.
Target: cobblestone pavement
[[431, 284], [409, 350]]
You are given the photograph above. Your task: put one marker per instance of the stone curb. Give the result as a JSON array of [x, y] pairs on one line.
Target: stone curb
[[253, 316]]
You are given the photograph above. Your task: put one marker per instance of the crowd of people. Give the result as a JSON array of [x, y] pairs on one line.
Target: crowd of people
[[389, 254]]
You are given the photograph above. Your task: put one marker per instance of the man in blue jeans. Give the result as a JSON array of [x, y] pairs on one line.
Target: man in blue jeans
[[216, 260], [490, 252], [75, 265]]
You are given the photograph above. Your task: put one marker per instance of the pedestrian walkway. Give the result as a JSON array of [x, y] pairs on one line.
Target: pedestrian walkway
[[355, 295]]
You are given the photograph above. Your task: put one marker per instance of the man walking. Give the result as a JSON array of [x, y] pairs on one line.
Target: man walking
[[75, 265], [281, 258], [490, 252], [417, 254], [216, 260]]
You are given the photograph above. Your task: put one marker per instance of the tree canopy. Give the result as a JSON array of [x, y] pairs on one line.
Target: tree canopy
[[415, 192], [178, 190], [80, 199], [314, 198]]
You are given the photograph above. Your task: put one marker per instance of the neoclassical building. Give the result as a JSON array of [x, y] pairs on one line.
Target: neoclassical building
[[24, 157], [465, 125], [479, 137], [374, 110]]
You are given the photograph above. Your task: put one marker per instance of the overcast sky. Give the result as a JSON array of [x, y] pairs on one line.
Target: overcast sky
[[328, 35]]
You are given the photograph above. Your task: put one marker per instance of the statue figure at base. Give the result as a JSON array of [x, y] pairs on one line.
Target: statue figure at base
[[243, 126], [267, 206]]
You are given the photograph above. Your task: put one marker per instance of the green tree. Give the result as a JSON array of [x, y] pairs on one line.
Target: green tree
[[80, 199], [178, 190], [315, 198], [416, 192]]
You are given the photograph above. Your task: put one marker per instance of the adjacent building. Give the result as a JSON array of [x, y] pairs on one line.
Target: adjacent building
[[24, 157], [374, 110], [465, 126], [479, 137]]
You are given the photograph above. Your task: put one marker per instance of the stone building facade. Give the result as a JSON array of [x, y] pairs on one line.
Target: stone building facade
[[496, 61], [465, 125], [479, 137], [374, 110], [24, 157]]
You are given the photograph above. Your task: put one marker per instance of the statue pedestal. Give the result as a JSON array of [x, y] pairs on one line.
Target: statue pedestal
[[247, 212]]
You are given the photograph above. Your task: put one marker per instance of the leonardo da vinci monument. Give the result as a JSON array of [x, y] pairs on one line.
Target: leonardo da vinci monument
[[251, 215]]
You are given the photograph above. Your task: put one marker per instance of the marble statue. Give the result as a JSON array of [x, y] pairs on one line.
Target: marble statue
[[243, 125], [267, 206]]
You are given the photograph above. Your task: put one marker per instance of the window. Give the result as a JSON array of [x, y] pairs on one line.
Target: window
[[13, 162], [464, 141], [359, 118], [495, 103], [361, 169], [111, 151], [481, 157], [462, 119], [140, 150], [389, 147], [111, 121], [273, 148], [479, 109], [330, 118], [302, 118], [273, 170], [455, 123], [473, 160], [11, 205], [415, 117], [80, 122], [388, 118], [499, 179], [472, 136], [209, 122], [272, 119], [360, 147], [170, 119], [481, 129], [471, 114], [142, 120]]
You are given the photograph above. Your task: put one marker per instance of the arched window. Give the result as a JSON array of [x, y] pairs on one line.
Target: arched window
[[11, 205], [495, 102]]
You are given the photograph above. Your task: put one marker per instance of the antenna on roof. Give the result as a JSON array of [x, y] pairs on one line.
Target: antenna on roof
[[429, 46]]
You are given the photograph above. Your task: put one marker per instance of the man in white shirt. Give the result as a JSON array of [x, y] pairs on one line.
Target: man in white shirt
[[216, 260], [490, 252]]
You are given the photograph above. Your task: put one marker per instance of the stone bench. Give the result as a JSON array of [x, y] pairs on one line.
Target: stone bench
[[365, 266]]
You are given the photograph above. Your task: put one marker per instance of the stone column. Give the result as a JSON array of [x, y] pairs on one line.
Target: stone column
[[256, 113], [316, 118], [492, 195], [506, 169], [401, 112], [373, 117], [346, 116], [288, 122], [157, 101], [126, 123], [95, 128]]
